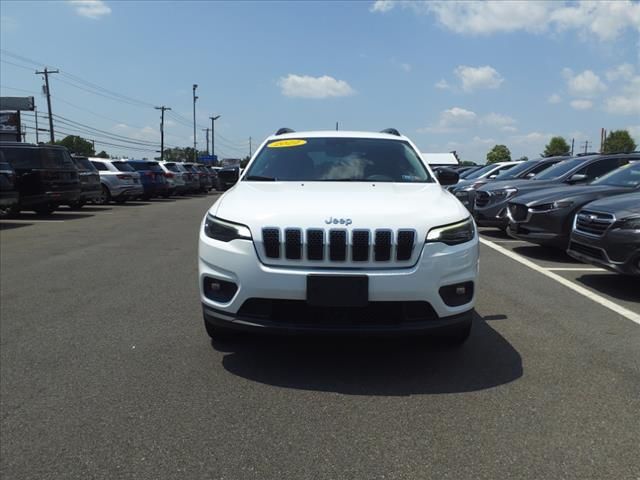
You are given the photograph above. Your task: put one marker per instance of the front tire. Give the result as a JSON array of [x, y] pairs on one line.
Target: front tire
[[105, 196], [44, 209]]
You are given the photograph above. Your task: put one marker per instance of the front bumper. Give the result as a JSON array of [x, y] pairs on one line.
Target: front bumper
[[493, 216], [8, 198], [617, 251], [126, 191], [50, 198], [237, 261], [548, 228]]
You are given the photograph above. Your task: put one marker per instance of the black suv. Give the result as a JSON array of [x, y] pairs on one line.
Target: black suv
[[90, 187], [607, 233], [46, 177]]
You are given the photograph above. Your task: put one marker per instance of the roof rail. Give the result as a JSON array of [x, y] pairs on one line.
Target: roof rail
[[391, 131], [284, 130], [587, 154]]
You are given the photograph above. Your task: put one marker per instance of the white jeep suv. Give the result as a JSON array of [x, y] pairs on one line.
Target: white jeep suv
[[336, 231]]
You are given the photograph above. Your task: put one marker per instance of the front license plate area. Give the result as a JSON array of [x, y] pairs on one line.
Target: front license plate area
[[338, 290]]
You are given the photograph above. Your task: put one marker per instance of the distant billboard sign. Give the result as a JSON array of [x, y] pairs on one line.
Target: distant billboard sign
[[9, 122], [208, 159], [17, 103]]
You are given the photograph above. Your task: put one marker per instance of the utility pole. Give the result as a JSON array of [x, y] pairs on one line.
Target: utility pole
[[586, 146], [250, 149], [195, 151], [213, 134], [572, 142], [93, 142], [46, 82], [35, 112], [162, 110], [23, 132], [207, 130]]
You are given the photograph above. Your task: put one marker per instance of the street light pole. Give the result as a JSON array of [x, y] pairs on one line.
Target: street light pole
[[213, 134], [195, 151]]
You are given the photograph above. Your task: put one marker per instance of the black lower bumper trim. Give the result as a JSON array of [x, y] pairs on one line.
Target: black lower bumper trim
[[436, 326]]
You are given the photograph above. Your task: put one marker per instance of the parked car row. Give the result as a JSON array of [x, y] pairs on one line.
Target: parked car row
[[43, 177], [587, 205]]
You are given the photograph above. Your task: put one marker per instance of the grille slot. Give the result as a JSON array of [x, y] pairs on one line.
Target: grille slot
[[406, 240], [593, 223], [337, 245], [293, 243], [271, 240], [315, 244], [382, 247], [360, 246]]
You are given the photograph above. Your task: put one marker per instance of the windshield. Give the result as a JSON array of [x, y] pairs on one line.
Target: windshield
[[478, 173], [38, 157], [172, 167], [559, 169], [627, 176], [123, 166], [515, 172], [84, 164], [338, 159]]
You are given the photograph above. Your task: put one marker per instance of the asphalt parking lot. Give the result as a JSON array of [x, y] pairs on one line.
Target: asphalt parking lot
[[106, 371]]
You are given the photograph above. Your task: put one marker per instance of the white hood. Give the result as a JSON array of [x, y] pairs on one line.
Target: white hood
[[367, 205]]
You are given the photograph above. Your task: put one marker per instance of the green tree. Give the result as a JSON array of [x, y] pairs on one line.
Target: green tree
[[102, 154], [499, 153], [77, 145], [557, 146], [618, 141]]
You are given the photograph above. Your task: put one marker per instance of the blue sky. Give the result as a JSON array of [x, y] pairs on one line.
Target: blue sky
[[461, 76]]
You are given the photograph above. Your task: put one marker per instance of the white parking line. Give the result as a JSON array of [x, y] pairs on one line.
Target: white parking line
[[634, 317], [577, 269], [35, 220]]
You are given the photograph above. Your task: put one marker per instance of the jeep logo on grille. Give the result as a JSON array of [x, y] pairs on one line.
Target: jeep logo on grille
[[338, 221]]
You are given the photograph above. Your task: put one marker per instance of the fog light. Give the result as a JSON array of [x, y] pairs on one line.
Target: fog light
[[219, 290], [457, 294]]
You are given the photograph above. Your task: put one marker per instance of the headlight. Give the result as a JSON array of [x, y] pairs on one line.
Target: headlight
[[504, 193], [547, 207], [225, 231], [453, 234], [632, 223]]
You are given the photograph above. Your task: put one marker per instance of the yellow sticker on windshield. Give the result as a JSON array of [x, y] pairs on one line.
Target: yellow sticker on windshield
[[286, 143]]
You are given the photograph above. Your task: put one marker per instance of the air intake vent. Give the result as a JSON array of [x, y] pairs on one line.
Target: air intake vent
[[315, 244], [337, 245], [406, 239], [382, 246], [293, 243], [360, 246], [271, 239]]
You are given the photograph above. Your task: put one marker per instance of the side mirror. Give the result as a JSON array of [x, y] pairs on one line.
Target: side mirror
[[229, 176], [578, 178], [529, 175], [446, 176]]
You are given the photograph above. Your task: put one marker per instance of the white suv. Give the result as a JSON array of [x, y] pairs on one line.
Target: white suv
[[338, 232]]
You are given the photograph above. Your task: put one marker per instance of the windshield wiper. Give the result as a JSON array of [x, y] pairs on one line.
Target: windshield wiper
[[259, 178]]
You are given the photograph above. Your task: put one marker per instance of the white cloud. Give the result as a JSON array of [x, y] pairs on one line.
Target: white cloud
[[628, 101], [406, 67], [483, 141], [553, 99], [382, 6], [509, 128], [451, 120], [144, 133], [305, 86], [498, 120], [621, 72], [91, 8], [606, 20], [8, 24], [585, 84], [442, 84], [531, 138], [474, 78], [581, 104]]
